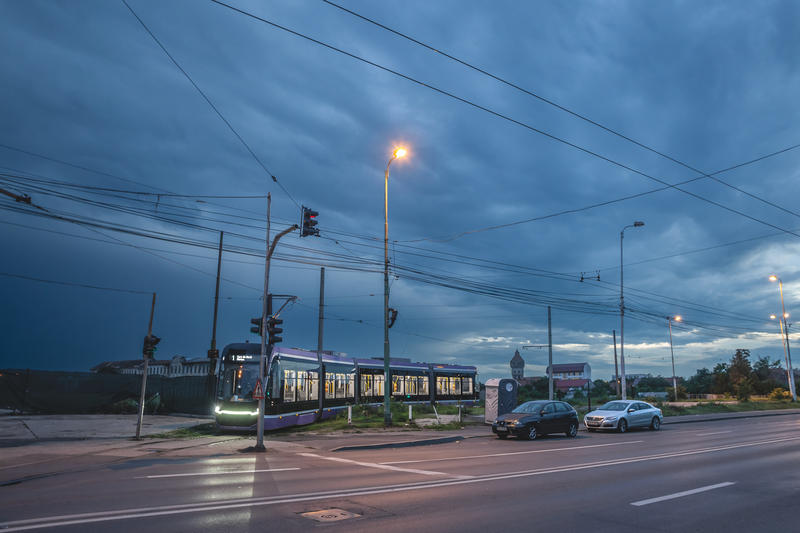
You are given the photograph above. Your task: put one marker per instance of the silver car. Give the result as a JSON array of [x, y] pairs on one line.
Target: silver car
[[620, 415]]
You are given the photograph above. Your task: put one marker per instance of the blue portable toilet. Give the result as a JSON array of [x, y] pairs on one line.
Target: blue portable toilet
[[501, 397]]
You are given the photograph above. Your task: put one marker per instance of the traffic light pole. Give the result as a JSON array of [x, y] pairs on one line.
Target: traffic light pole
[[263, 361], [144, 374]]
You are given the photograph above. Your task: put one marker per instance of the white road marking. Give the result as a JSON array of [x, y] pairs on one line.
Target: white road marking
[[682, 494], [511, 453], [200, 507], [220, 473], [713, 433], [385, 466]]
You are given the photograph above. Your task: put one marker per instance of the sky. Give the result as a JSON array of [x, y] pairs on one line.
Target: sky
[[535, 132]]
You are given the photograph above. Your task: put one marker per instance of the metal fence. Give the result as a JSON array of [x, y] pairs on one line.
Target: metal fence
[[41, 391]]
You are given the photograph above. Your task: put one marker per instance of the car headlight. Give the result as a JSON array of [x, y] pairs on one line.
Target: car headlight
[[611, 418], [217, 409]]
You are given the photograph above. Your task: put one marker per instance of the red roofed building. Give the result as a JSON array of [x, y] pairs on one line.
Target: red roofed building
[[566, 385]]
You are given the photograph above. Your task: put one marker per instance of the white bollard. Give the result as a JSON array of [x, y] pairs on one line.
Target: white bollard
[[410, 417], [460, 419], [349, 415]]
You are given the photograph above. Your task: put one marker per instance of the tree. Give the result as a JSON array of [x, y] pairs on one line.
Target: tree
[[740, 374], [701, 382], [763, 375], [720, 381]]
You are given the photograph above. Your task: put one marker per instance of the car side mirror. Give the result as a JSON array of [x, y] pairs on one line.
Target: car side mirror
[[631, 410], [541, 412]]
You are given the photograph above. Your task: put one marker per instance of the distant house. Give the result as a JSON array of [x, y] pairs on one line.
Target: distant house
[[571, 371], [517, 366], [178, 366]]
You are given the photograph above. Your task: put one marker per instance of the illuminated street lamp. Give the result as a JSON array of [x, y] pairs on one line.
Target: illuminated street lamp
[[676, 318], [387, 413], [637, 224], [785, 335]]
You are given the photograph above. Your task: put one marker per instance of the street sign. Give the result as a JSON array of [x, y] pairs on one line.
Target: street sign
[[258, 393]]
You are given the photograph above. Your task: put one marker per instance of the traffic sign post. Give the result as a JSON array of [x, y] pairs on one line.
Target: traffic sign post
[[258, 393]]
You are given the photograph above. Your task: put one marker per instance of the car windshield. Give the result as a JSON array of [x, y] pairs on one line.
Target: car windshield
[[614, 406], [529, 407]]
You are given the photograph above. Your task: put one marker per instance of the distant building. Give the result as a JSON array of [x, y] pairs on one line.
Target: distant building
[[571, 371], [517, 366], [178, 366], [631, 380]]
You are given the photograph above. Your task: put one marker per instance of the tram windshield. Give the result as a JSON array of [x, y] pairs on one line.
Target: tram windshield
[[239, 382]]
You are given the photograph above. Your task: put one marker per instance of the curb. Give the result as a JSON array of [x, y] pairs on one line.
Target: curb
[[404, 444]]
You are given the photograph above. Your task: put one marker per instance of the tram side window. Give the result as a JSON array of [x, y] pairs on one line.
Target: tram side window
[[289, 385], [371, 385], [398, 385], [422, 382], [339, 385], [466, 386], [441, 385]]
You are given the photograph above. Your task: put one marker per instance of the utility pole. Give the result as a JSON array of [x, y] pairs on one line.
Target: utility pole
[[550, 354], [213, 353], [144, 372], [322, 376], [262, 360], [616, 369]]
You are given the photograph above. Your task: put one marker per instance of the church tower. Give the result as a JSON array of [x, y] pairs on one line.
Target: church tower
[[517, 366]]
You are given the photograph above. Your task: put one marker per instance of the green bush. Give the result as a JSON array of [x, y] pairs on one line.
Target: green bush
[[779, 394]]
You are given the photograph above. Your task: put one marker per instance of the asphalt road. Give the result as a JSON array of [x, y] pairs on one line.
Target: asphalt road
[[737, 475]]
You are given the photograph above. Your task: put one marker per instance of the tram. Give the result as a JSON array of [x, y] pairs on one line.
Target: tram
[[295, 395]]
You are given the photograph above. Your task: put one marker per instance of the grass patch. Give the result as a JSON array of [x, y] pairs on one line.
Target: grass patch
[[712, 407], [194, 432]]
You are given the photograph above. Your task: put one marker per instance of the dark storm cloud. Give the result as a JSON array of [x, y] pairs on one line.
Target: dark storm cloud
[[711, 84]]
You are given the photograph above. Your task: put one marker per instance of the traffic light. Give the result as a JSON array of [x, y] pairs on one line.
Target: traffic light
[[273, 330], [308, 222], [256, 328], [149, 345]]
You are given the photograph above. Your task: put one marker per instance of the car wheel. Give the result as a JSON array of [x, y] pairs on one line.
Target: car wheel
[[572, 431], [531, 434], [622, 426], [655, 425], [502, 436]]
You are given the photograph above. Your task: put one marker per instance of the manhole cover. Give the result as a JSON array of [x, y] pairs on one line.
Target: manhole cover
[[330, 515]]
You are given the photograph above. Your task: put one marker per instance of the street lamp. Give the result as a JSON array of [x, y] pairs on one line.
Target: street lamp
[[676, 318], [637, 224], [387, 413], [785, 332]]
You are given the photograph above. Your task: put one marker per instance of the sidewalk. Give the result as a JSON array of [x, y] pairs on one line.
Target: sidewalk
[[26, 429]]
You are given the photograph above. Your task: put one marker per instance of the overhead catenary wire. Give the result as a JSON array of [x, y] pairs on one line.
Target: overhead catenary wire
[[562, 108], [210, 103], [505, 117]]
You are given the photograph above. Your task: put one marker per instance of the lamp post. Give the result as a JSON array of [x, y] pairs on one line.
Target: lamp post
[[785, 331], [676, 318], [387, 413], [637, 224]]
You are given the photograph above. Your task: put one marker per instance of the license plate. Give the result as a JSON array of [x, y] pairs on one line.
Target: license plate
[[593, 423], [502, 428]]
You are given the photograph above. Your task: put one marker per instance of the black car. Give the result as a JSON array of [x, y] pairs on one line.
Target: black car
[[532, 419]]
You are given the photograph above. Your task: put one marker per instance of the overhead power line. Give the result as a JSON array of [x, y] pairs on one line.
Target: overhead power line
[[210, 103], [504, 117], [72, 284], [560, 107]]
